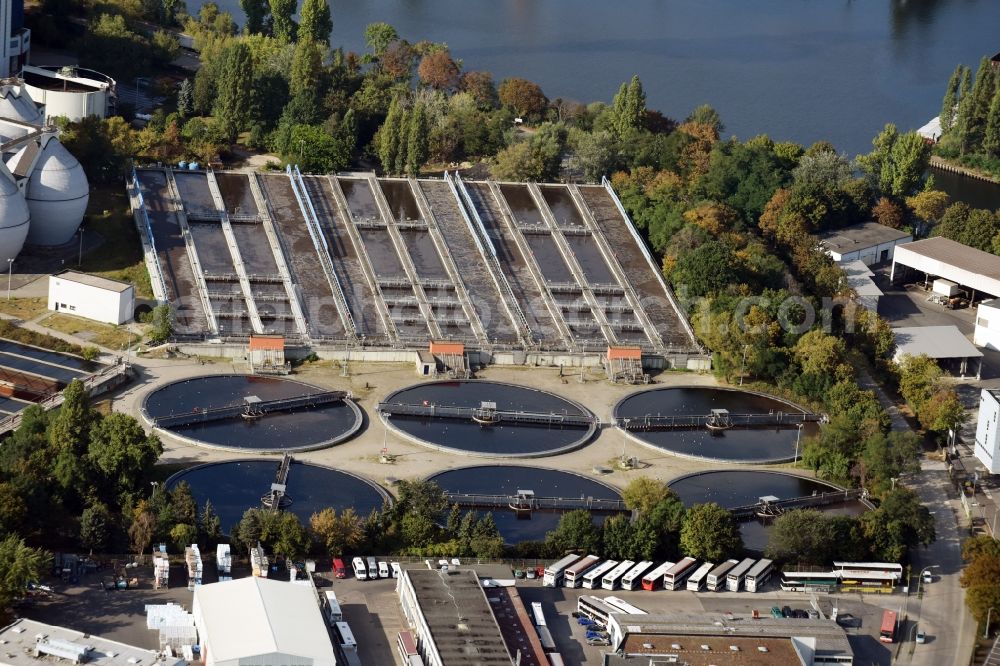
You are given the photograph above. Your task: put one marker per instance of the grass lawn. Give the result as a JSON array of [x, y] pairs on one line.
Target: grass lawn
[[23, 308], [120, 255], [95, 332]]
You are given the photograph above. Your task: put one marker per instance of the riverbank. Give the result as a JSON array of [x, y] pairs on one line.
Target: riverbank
[[941, 163]]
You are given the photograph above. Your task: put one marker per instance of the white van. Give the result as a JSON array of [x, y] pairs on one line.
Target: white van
[[396, 571], [372, 568], [360, 572], [383, 569]]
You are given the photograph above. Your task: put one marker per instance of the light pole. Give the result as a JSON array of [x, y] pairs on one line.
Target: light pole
[[743, 365], [989, 613], [79, 258], [798, 436], [10, 275], [920, 578]]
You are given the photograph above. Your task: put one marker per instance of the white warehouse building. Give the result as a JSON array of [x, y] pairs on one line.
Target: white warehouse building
[[257, 621], [987, 435], [93, 297], [869, 242]]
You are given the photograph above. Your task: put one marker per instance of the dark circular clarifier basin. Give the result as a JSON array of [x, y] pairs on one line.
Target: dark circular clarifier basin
[[538, 423], [237, 485], [735, 488], [301, 428], [739, 443], [481, 482]]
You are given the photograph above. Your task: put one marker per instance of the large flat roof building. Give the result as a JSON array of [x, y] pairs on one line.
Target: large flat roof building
[[24, 639], [451, 618], [941, 257], [706, 639], [261, 621]]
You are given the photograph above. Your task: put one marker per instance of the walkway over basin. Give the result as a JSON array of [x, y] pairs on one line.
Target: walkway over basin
[[252, 407]]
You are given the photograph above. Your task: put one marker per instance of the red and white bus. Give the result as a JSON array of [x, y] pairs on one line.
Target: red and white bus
[[888, 632]]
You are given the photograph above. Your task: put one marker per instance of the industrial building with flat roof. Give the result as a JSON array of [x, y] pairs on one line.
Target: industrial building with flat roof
[[390, 264], [702, 640], [977, 271], [28, 642], [452, 618], [870, 242], [260, 621]]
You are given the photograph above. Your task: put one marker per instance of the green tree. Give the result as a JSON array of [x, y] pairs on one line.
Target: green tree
[[182, 503], [486, 541], [122, 454], [19, 565], [803, 536], [315, 23], [283, 25], [209, 525], [390, 137], [596, 154], [576, 531], [258, 17], [819, 353], [233, 105], [68, 435], [708, 269], [710, 533], [416, 140], [185, 98], [183, 535], [617, 537], [901, 522], [642, 494], [708, 116], [991, 133], [887, 457], [628, 109], [897, 163], [315, 150], [947, 114], [337, 534], [378, 36], [141, 531], [162, 324], [423, 498], [96, 524], [418, 530], [454, 520]]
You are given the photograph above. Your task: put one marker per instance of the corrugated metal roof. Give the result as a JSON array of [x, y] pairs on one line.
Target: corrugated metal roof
[[934, 341]]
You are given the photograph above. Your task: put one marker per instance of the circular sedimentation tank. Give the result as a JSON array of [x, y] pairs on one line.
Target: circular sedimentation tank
[[485, 418], [237, 485], [486, 481], [177, 408], [738, 488], [680, 421]]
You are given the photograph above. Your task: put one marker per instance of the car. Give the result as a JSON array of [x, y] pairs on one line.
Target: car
[[800, 614], [812, 614], [576, 614], [598, 641], [928, 577], [518, 573], [530, 574], [786, 611], [776, 612], [591, 635], [584, 621], [921, 636]]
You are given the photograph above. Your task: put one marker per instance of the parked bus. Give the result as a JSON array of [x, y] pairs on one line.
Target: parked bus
[[537, 614], [809, 581], [596, 609], [360, 571], [556, 659], [593, 577], [654, 578], [881, 582], [757, 577], [734, 579], [633, 578], [677, 574], [614, 577], [333, 612], [573, 575], [717, 577], [339, 570], [545, 638], [888, 632], [553, 575], [622, 606], [888, 567], [406, 644], [697, 579]]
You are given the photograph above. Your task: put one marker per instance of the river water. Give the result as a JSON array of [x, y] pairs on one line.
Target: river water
[[801, 71]]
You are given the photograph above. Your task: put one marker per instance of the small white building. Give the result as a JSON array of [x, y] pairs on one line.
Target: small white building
[[987, 333], [261, 621], [987, 431], [93, 297], [859, 278], [870, 242]]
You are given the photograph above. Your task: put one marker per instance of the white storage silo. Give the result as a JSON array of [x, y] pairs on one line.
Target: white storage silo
[[14, 218], [16, 104], [57, 195]]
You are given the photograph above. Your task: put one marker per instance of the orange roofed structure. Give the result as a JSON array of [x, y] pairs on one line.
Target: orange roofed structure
[[266, 354]]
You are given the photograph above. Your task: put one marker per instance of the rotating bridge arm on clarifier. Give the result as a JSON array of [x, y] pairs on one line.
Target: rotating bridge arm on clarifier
[[260, 408], [682, 421], [510, 417], [467, 501]]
